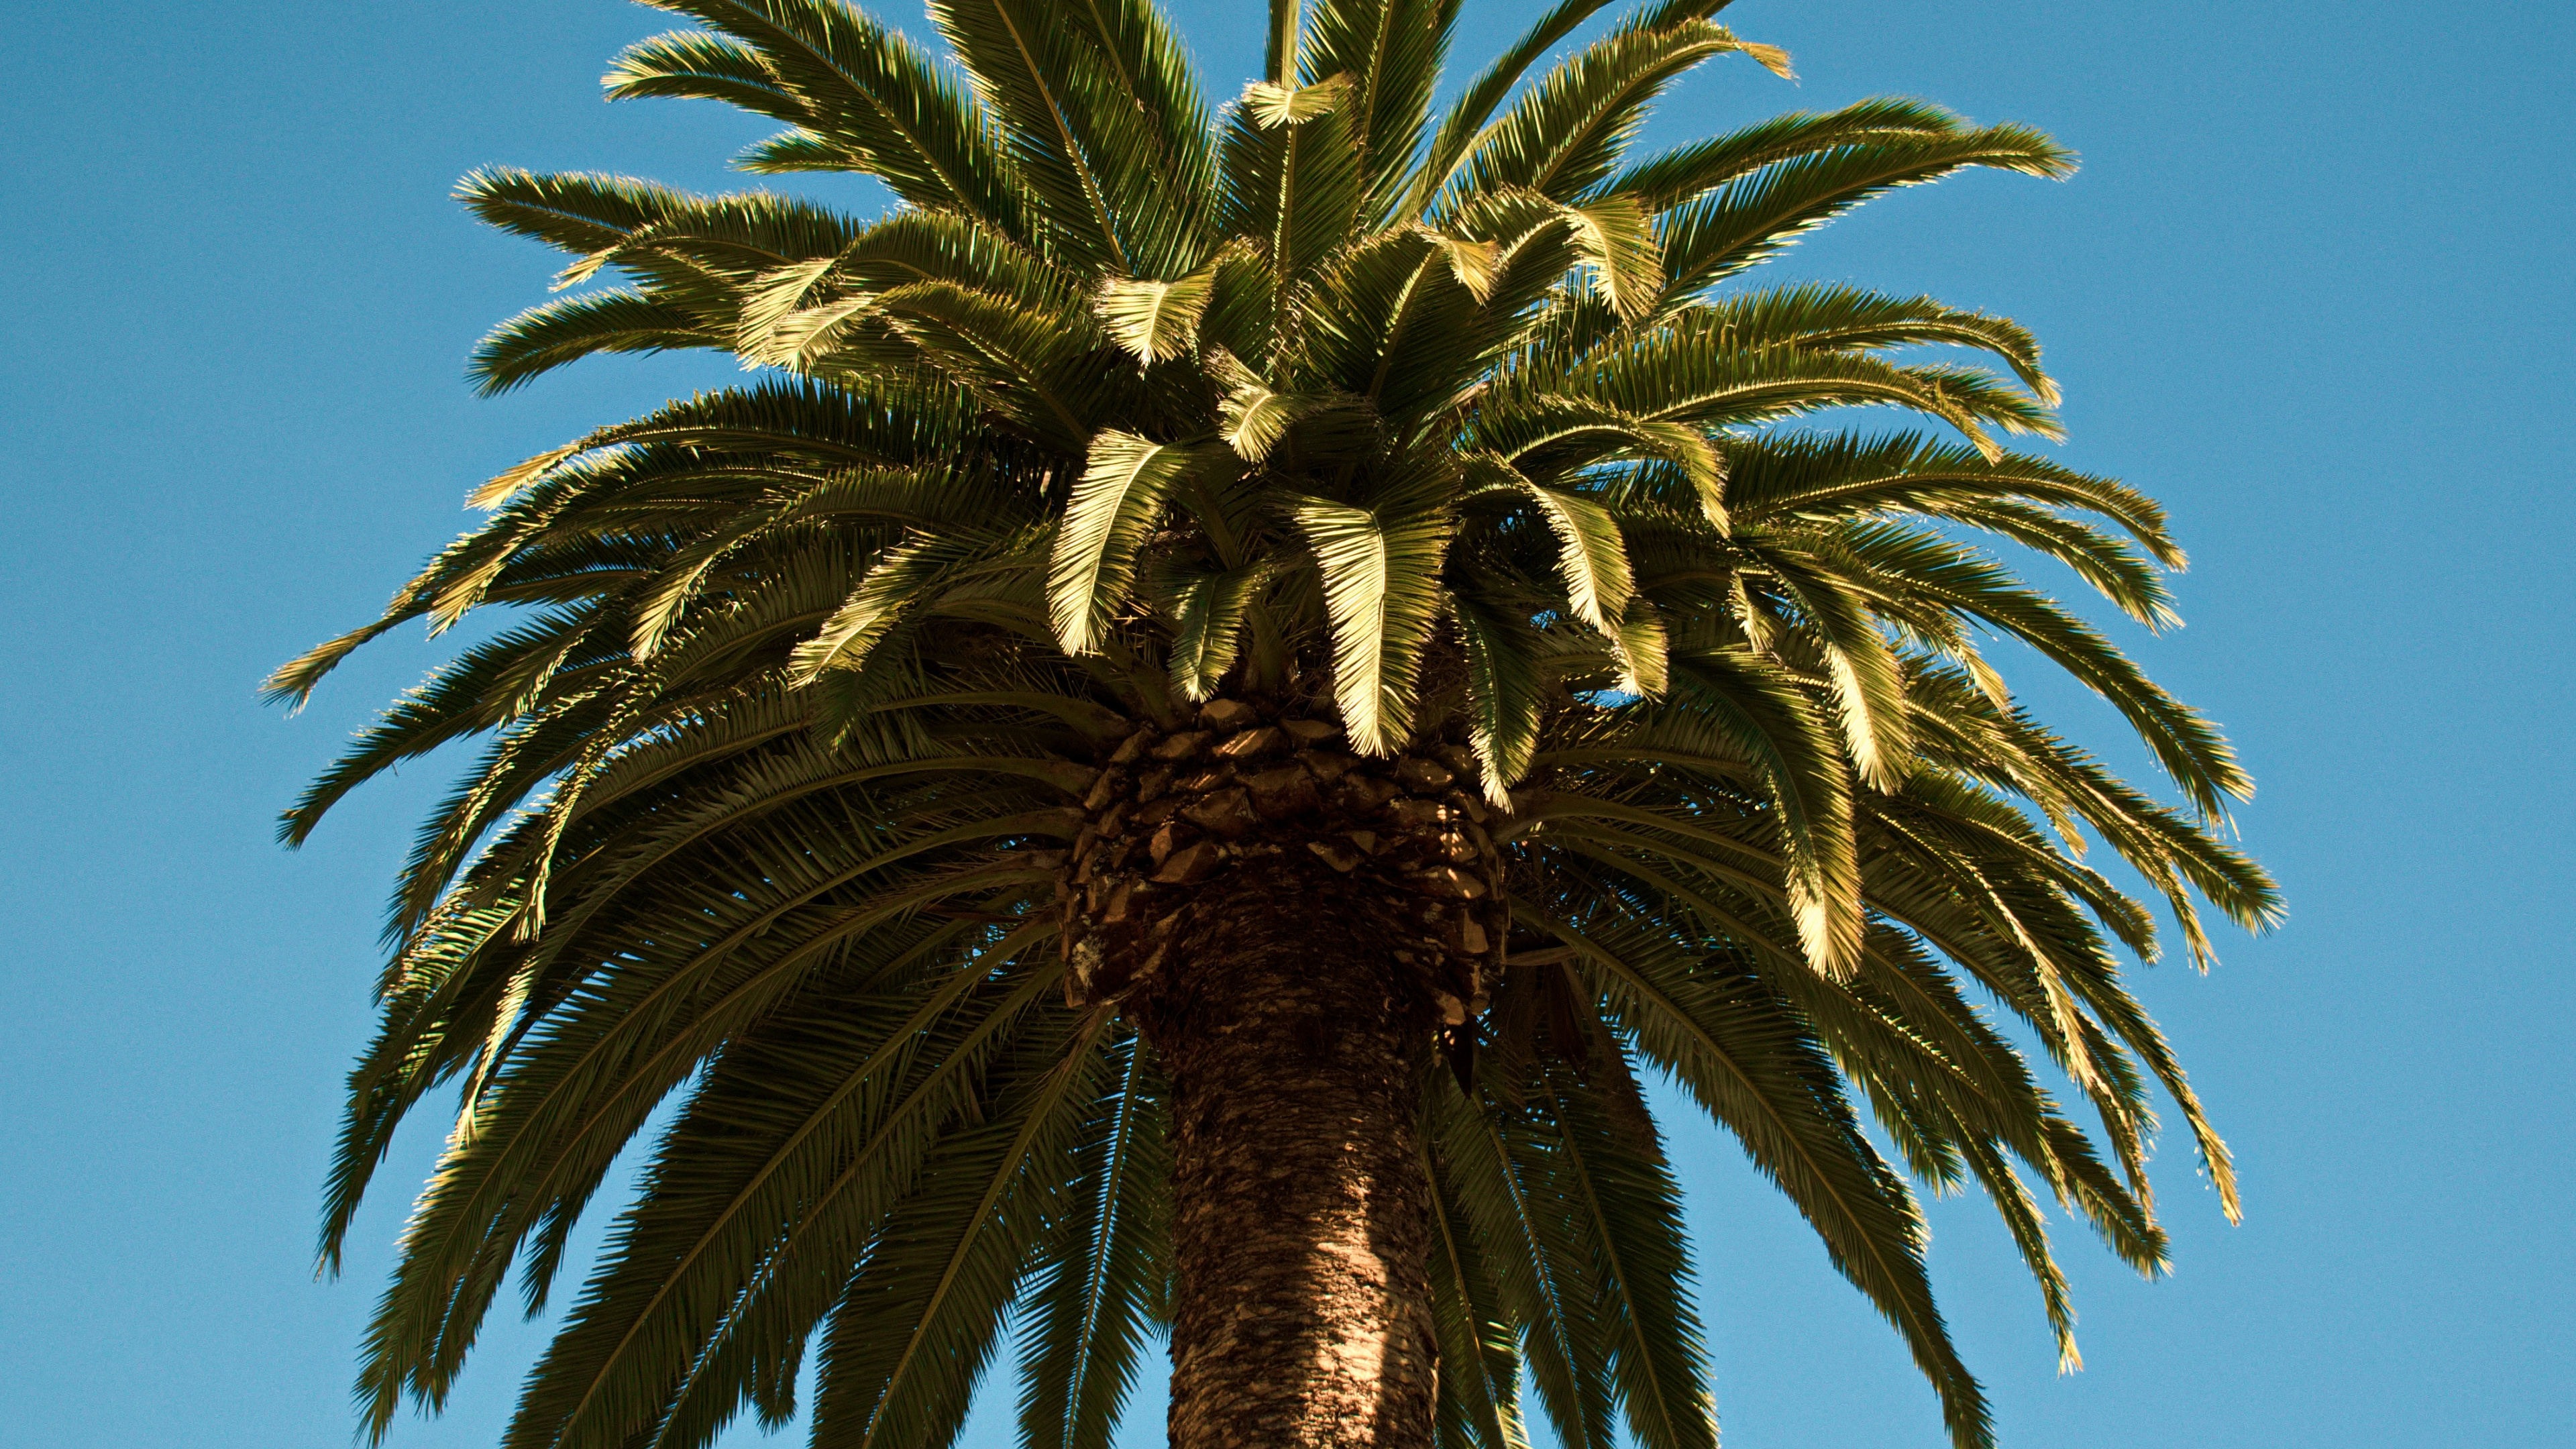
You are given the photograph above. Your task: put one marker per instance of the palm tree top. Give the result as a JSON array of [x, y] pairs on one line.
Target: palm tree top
[[1423, 496]]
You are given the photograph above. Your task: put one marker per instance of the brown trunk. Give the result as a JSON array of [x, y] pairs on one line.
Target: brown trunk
[[1294, 1038], [1289, 924]]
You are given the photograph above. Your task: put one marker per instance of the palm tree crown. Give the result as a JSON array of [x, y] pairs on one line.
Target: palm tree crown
[[1160, 507]]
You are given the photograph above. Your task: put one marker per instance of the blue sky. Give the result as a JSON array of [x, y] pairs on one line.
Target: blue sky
[[2310, 289]]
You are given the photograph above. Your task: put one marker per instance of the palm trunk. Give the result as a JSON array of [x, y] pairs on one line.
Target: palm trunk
[[1294, 1041], [1288, 923]]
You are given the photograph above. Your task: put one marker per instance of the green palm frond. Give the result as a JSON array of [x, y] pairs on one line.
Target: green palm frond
[[1479, 1345], [1092, 1289], [1757, 215], [1751, 1060], [1381, 588], [1566, 133], [859, 97]]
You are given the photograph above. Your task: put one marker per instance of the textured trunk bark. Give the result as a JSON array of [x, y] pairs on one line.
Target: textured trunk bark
[[1294, 1039]]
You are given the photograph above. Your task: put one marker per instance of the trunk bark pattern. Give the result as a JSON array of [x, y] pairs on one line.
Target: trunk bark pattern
[[1169, 813], [1290, 925], [1295, 1043]]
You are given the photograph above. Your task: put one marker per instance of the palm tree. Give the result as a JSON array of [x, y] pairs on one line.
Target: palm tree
[[1232, 683]]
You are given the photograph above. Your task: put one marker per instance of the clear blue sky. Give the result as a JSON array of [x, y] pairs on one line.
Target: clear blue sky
[[2311, 289]]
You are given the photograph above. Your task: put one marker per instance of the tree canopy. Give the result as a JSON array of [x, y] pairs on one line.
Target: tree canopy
[[1437, 415]]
